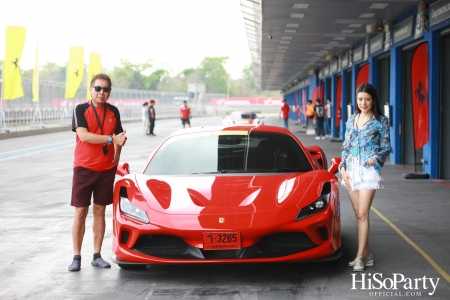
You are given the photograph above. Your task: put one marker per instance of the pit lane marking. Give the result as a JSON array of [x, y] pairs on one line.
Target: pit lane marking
[[414, 245]]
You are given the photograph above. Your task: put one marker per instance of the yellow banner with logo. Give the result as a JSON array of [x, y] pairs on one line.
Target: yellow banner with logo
[[12, 80], [95, 67], [75, 71]]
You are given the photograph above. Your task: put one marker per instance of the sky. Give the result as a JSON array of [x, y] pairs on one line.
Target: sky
[[172, 34]]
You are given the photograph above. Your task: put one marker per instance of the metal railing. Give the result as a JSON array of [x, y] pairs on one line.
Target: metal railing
[[53, 110], [23, 119]]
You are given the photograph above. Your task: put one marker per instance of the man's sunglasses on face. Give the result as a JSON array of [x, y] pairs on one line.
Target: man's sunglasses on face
[[106, 89]]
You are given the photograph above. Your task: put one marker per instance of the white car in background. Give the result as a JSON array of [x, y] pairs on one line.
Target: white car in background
[[243, 118]]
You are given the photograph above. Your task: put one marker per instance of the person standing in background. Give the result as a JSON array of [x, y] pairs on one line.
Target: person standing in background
[[327, 123], [152, 117], [185, 114], [284, 114], [145, 118], [309, 114], [319, 110]]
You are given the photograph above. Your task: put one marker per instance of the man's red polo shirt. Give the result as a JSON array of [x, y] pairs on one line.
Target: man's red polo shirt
[[90, 156]]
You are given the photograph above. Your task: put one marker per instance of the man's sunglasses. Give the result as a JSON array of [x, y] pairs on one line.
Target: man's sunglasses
[[106, 89]]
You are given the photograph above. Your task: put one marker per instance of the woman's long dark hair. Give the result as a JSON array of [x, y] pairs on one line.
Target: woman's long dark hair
[[369, 89]]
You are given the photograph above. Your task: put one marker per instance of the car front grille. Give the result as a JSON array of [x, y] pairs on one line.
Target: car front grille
[[284, 243], [160, 245], [274, 245]]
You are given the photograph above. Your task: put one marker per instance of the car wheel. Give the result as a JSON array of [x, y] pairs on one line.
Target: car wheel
[[132, 267]]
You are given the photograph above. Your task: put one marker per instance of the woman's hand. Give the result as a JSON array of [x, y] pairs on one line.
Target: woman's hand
[[370, 162], [346, 179]]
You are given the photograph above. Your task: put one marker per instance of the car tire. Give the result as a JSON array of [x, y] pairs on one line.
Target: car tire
[[132, 267]]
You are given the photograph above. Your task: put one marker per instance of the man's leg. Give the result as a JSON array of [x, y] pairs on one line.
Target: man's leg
[[103, 196], [152, 125], [78, 228], [98, 226], [98, 229]]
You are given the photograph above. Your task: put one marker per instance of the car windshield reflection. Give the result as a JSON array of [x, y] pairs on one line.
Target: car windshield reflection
[[229, 152]]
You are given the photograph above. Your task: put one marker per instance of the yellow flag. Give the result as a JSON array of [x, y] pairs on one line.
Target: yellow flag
[[12, 81], [36, 78], [75, 71], [95, 67]]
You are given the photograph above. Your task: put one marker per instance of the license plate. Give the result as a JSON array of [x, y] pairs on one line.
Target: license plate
[[221, 240]]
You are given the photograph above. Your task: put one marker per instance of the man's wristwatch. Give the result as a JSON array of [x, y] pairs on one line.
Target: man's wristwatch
[[109, 139]]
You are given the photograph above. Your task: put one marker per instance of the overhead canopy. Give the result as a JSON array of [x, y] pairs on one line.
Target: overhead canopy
[[288, 38]]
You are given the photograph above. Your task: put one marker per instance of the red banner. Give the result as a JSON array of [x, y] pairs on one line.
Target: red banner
[[304, 100], [419, 92], [338, 100], [322, 93], [246, 101], [315, 94], [363, 75]]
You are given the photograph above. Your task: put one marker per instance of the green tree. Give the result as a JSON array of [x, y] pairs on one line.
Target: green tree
[[249, 79], [130, 76], [52, 72], [153, 81], [186, 73], [213, 74]]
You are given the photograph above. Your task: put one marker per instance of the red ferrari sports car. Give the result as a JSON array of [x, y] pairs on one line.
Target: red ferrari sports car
[[228, 194]]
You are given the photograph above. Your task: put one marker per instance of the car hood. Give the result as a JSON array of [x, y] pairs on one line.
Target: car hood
[[227, 194]]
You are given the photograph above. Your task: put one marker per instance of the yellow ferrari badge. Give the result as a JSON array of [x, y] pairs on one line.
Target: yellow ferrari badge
[[221, 220]]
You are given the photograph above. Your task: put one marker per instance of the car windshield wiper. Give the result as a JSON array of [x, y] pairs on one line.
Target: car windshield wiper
[[287, 170], [215, 172]]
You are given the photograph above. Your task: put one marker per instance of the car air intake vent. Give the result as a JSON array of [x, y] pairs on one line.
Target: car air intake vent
[[287, 242], [124, 237], [160, 245], [323, 233]]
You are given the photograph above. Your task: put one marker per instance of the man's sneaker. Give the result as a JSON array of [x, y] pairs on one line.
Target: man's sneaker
[[317, 137], [368, 261], [100, 262], [75, 266], [323, 137], [359, 265]]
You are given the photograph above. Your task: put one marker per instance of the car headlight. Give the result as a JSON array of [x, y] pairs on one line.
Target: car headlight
[[314, 208], [133, 211]]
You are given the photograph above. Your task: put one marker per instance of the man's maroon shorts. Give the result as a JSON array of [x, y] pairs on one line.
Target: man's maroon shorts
[[86, 182]]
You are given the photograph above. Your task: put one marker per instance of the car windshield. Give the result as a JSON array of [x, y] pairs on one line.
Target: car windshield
[[229, 152], [235, 115]]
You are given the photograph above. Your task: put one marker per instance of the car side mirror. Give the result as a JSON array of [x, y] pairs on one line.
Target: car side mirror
[[334, 165], [123, 169]]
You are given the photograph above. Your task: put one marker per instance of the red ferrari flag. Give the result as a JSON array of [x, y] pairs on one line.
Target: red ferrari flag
[[419, 92], [315, 94], [363, 75], [338, 100], [322, 93]]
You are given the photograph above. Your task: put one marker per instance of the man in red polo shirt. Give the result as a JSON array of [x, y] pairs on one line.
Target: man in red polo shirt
[[284, 114], [185, 114], [99, 141]]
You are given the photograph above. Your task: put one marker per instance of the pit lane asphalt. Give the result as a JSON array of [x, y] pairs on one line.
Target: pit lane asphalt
[[36, 245]]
